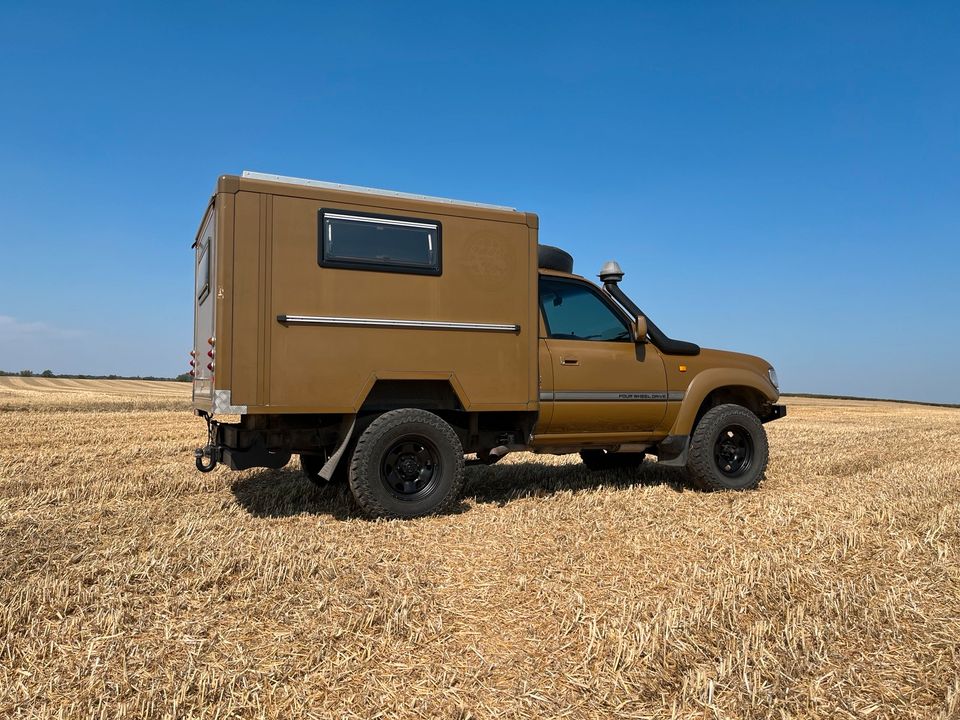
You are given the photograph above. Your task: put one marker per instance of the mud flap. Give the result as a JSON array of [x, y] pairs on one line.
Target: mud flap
[[673, 450], [326, 472]]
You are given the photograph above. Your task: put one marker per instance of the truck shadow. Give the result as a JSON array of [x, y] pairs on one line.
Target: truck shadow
[[286, 493], [501, 484]]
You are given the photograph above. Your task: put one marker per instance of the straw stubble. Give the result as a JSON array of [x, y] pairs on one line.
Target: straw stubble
[[134, 586]]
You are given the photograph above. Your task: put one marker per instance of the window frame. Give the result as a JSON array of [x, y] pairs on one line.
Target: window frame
[[617, 312], [379, 265], [204, 255]]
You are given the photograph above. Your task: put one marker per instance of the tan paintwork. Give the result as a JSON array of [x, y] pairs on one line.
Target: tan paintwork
[[265, 264], [621, 366], [706, 372], [603, 367]]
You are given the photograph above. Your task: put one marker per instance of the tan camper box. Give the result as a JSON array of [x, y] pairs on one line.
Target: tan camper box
[[381, 336]]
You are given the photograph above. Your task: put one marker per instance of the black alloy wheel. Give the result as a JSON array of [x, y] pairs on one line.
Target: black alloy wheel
[[733, 451], [410, 467]]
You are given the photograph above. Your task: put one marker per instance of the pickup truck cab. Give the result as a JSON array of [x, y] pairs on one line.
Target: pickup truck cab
[[611, 375], [383, 337]]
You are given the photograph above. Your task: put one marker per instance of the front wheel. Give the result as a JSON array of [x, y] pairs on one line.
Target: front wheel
[[407, 463], [728, 450]]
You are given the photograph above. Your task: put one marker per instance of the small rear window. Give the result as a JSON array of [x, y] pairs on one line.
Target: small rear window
[[379, 242], [203, 271]]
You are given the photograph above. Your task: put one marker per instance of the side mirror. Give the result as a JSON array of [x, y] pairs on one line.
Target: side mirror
[[640, 329]]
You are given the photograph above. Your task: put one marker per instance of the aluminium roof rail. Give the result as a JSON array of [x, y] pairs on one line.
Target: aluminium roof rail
[[269, 177]]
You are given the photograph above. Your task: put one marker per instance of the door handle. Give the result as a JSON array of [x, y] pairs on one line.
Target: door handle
[[569, 361]]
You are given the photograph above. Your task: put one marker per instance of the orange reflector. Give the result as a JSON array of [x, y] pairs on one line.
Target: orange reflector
[[683, 368]]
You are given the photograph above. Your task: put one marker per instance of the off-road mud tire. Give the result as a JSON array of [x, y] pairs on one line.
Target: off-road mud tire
[[440, 462], [597, 460], [708, 467]]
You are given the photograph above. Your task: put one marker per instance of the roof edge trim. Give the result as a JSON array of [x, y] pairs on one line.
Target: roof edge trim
[[269, 177]]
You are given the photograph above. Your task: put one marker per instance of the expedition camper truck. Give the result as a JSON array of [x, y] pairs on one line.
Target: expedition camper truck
[[381, 336]]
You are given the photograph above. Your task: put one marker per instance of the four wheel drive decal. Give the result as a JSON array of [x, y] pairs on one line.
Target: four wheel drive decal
[[672, 396]]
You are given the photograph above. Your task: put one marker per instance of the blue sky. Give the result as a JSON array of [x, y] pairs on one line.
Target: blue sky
[[775, 178]]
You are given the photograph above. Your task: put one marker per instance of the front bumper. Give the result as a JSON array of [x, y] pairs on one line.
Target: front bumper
[[773, 412]]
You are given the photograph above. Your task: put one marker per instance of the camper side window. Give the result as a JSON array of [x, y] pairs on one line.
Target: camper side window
[[379, 242], [203, 272]]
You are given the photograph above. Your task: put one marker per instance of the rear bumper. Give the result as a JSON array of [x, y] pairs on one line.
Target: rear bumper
[[773, 412]]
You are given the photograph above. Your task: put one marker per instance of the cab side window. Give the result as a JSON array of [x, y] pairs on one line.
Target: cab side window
[[573, 311]]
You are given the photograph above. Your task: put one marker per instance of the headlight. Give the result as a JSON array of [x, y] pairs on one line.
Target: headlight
[[773, 378]]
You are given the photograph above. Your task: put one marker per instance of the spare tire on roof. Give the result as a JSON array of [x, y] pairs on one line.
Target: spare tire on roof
[[553, 258]]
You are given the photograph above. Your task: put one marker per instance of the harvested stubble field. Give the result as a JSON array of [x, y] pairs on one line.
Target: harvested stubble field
[[133, 586]]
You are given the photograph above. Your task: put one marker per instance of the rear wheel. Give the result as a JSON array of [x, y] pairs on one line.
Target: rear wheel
[[604, 460], [728, 450], [407, 463]]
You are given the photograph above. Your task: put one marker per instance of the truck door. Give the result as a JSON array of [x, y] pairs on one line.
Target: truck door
[[602, 384]]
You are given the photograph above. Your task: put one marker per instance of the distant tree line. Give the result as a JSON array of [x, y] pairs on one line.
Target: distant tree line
[[872, 399], [185, 377]]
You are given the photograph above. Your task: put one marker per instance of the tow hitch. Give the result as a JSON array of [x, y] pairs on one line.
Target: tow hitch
[[209, 455]]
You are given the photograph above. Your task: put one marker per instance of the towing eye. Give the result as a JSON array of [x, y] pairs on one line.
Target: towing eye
[[210, 451]]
